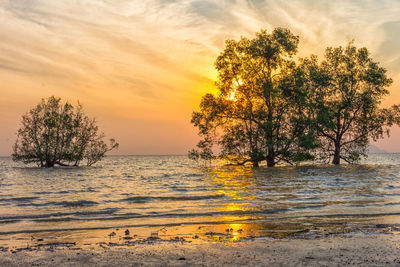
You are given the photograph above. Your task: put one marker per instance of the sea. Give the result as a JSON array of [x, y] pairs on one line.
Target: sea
[[128, 198]]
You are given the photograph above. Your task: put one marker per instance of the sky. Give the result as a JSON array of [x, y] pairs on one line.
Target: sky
[[141, 67]]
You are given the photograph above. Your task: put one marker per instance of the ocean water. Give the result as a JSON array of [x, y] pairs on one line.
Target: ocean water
[[171, 195]]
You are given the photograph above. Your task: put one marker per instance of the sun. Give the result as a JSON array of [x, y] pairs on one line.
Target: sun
[[232, 95]]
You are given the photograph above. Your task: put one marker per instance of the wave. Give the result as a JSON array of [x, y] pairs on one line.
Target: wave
[[30, 201], [86, 190], [77, 203], [127, 216], [18, 199], [107, 211], [144, 199]]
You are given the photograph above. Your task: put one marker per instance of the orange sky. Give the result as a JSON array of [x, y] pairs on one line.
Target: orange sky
[[141, 67]]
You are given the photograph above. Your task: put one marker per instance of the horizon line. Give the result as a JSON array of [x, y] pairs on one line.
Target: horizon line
[[119, 155]]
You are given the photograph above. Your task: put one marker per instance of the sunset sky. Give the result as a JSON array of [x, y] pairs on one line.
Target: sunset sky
[[141, 66]]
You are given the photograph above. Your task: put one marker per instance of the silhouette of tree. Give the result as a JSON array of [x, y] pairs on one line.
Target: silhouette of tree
[[55, 133], [257, 114]]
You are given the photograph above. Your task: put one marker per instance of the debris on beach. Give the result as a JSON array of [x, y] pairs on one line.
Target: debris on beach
[[210, 233], [229, 230], [154, 235], [302, 231], [112, 234], [179, 239], [52, 246]]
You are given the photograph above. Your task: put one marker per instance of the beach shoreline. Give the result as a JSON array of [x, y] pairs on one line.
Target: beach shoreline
[[349, 249]]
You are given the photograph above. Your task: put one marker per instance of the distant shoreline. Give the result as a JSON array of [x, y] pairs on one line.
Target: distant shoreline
[[122, 155], [166, 155]]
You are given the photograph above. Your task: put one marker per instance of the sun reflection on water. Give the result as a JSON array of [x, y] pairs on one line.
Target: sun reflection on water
[[221, 203]]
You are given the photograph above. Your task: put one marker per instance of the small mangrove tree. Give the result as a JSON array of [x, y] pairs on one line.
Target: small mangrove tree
[[56, 133]]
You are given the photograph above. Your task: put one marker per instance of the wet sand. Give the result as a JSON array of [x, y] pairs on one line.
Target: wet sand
[[351, 249]]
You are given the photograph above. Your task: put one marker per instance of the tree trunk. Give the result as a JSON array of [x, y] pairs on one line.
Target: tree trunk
[[271, 159], [271, 154], [270, 162], [49, 164], [336, 156]]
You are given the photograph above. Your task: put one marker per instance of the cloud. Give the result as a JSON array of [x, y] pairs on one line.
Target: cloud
[[155, 58], [389, 48]]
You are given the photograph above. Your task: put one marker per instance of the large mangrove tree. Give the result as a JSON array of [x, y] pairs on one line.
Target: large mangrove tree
[[257, 114]]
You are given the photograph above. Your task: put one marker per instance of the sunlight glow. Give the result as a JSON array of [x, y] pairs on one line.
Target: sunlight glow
[[141, 68], [232, 95]]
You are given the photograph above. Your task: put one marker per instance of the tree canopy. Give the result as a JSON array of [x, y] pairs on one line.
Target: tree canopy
[[59, 133], [345, 92], [270, 107], [255, 116]]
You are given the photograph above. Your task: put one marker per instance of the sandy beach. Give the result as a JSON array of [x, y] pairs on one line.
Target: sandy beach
[[351, 249]]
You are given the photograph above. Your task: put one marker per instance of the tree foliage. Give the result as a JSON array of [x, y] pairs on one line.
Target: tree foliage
[[59, 133], [256, 115], [345, 92]]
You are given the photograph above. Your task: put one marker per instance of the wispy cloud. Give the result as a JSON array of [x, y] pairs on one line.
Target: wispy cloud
[[152, 60]]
